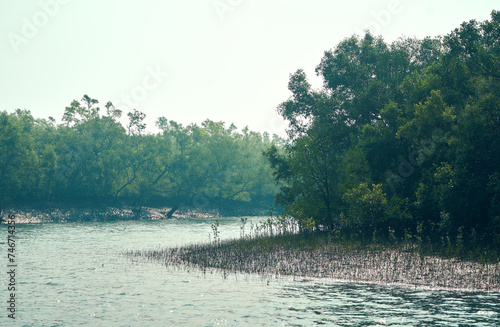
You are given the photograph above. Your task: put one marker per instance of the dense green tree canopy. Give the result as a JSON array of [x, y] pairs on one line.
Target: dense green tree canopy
[[402, 137], [92, 159]]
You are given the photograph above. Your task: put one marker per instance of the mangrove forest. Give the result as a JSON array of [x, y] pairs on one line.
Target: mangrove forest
[[402, 141]]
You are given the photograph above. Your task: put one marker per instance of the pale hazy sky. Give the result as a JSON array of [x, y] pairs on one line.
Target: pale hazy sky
[[225, 60]]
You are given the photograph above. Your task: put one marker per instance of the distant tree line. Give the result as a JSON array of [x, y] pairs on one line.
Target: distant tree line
[[92, 159], [401, 139]]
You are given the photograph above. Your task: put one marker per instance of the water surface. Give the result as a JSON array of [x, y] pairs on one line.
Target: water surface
[[76, 274]]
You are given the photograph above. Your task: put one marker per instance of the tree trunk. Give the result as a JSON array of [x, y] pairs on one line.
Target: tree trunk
[[171, 212]]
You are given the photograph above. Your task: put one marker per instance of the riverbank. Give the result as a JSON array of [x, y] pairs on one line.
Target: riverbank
[[62, 213], [317, 256]]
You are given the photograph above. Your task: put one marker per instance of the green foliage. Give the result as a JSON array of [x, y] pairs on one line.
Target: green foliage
[[366, 207], [16, 158], [402, 141], [92, 158]]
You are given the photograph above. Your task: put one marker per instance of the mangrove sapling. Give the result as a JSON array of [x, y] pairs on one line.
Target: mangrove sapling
[[215, 230], [242, 228]]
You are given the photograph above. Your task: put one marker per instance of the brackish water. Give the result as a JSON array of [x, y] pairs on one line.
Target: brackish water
[[76, 274]]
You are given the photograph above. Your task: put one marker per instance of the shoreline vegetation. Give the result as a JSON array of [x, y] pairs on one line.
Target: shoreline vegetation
[[401, 141], [321, 255]]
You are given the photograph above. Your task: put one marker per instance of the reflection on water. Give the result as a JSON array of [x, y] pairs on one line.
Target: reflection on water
[[75, 274]]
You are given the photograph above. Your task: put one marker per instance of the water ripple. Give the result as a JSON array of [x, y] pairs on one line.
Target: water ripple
[[76, 275]]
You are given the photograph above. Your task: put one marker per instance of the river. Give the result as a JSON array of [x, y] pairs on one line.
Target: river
[[76, 274]]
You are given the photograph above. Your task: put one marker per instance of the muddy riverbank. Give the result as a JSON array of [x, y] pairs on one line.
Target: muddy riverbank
[[61, 213]]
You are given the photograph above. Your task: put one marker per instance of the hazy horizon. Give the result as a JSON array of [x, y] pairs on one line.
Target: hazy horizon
[[223, 60]]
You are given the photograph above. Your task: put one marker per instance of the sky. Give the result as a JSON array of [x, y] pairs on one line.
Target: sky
[[188, 61]]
